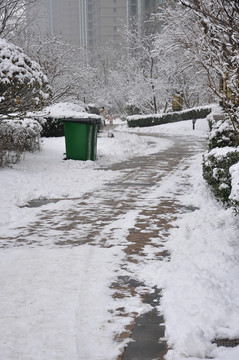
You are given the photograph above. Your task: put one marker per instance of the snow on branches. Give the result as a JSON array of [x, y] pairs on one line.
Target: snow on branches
[[24, 87], [220, 47], [12, 16]]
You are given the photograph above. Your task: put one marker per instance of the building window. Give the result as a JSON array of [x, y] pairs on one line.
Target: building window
[[147, 4], [115, 9], [133, 2], [115, 28], [133, 10], [114, 1]]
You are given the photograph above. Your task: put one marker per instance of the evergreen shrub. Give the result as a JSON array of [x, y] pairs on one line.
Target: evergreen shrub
[[51, 127], [216, 172], [223, 153], [221, 133], [24, 87]]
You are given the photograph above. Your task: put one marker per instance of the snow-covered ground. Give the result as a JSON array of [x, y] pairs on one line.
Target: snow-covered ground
[[54, 302]]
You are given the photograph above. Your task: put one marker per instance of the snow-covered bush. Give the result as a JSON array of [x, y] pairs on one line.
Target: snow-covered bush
[[16, 137], [216, 171], [51, 127], [50, 117], [24, 87], [221, 162], [234, 196], [221, 133]]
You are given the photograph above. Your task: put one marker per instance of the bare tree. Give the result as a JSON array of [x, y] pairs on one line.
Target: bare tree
[[59, 60], [13, 16], [219, 45], [142, 64], [181, 62]]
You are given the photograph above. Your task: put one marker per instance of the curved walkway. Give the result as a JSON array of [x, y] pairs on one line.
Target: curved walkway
[[135, 213]]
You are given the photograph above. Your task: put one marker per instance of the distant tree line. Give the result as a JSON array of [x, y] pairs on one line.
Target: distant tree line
[[196, 48]]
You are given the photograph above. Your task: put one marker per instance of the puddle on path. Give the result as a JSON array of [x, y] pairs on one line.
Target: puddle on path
[[133, 184], [40, 202], [146, 331]]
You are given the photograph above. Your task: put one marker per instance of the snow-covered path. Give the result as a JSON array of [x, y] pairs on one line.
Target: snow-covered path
[[118, 224], [98, 216], [60, 271]]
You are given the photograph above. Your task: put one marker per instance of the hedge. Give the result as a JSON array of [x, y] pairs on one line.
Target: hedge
[[216, 172], [159, 119], [51, 127], [222, 133]]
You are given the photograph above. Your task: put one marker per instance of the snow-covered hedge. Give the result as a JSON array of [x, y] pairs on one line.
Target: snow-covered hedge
[[221, 163], [221, 133], [16, 137], [159, 119], [49, 117], [51, 127], [217, 172], [23, 86], [234, 196]]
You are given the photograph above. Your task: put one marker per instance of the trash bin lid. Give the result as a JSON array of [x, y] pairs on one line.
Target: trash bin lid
[[86, 120]]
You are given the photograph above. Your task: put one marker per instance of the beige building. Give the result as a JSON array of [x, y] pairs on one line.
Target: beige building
[[109, 21], [90, 23], [111, 16]]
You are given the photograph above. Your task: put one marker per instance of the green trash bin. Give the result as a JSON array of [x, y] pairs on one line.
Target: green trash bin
[[81, 138]]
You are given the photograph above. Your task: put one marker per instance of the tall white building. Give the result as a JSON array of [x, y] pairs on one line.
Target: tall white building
[[89, 23]]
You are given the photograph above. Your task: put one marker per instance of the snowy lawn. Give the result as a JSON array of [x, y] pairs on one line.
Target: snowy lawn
[[48, 311]]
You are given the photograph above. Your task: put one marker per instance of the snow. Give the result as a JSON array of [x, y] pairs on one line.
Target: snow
[[46, 174], [234, 171], [201, 289], [55, 302], [158, 116], [14, 63], [178, 128], [221, 152], [48, 305], [66, 110], [204, 265], [22, 80]]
